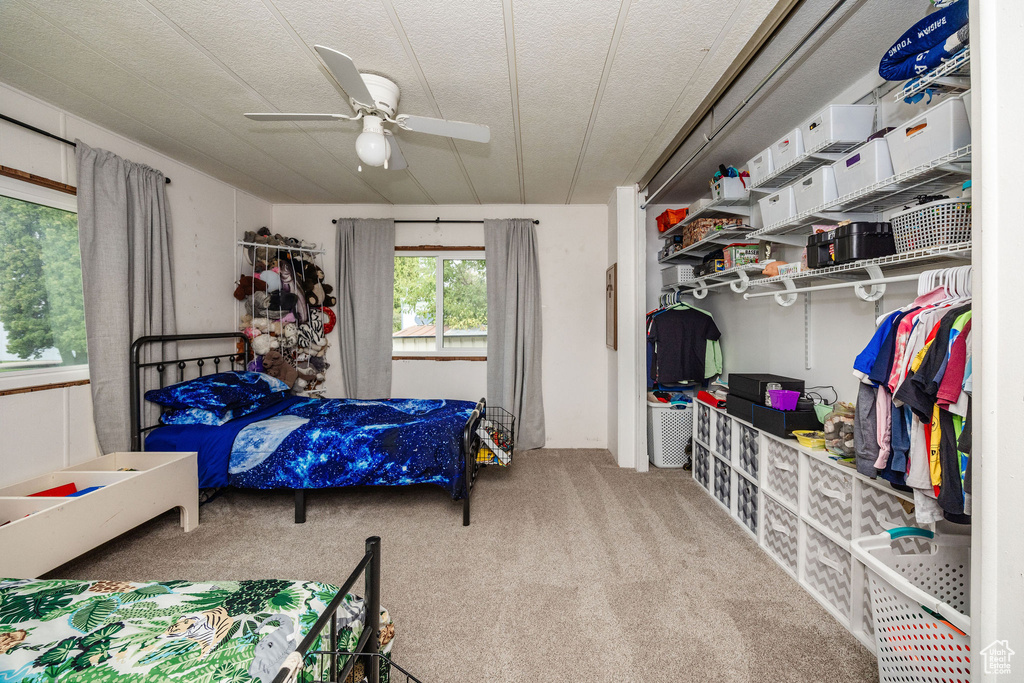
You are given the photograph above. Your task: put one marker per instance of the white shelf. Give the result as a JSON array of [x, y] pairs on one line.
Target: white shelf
[[716, 280], [909, 258], [826, 153], [712, 241], [718, 208], [929, 178], [953, 75]]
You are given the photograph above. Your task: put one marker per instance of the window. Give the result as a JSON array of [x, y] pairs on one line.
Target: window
[[450, 287], [42, 310]]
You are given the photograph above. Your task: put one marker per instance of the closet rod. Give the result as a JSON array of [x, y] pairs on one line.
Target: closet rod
[[437, 220], [838, 285], [48, 134]]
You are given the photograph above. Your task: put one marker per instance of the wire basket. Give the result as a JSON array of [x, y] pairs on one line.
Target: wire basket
[[920, 602], [947, 221], [497, 433], [325, 661]]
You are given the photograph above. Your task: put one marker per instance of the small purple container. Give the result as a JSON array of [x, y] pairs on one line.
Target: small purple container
[[783, 399]]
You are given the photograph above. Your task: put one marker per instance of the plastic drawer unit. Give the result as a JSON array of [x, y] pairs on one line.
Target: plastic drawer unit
[[830, 498], [780, 534], [781, 478], [746, 504], [748, 450], [723, 482], [827, 570]]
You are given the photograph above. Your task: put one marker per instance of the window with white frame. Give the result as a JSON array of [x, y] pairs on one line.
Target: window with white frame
[[440, 304], [42, 310]]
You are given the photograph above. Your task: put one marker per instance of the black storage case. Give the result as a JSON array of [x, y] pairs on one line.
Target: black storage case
[[862, 240], [784, 422], [819, 249], [754, 387], [740, 407]]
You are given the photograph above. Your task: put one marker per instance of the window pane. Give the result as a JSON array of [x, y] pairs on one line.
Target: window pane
[[415, 304], [465, 303], [42, 311]]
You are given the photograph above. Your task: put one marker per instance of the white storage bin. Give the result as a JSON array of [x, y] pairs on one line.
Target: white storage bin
[[723, 435], [669, 430], [830, 497], [780, 533], [946, 221], [838, 123], [703, 423], [723, 483], [700, 204], [787, 149], [864, 166], [940, 130], [702, 466], [760, 167], [966, 97], [781, 477], [827, 570], [778, 207], [746, 505], [748, 450], [729, 188], [815, 189], [676, 275]]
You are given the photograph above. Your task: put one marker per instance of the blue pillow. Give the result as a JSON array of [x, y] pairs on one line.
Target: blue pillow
[[195, 416], [218, 393]]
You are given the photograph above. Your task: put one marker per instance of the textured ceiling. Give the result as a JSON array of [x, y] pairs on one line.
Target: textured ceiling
[[578, 101]]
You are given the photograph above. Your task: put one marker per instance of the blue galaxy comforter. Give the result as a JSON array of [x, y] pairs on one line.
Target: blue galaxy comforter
[[306, 443]]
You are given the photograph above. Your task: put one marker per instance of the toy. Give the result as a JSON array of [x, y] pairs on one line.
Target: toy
[[331, 321], [247, 285], [271, 280], [264, 343], [276, 365]]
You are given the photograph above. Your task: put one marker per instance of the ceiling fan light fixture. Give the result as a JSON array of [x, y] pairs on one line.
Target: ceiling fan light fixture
[[372, 146]]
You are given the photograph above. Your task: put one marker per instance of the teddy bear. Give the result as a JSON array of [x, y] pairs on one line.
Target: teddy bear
[[290, 334], [247, 285], [264, 344], [276, 365], [312, 280]]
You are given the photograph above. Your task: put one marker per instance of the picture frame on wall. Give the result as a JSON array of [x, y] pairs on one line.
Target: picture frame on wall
[[611, 308]]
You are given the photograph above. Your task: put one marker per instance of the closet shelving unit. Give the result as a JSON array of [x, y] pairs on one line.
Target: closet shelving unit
[[826, 153], [953, 75], [929, 178], [717, 208], [735, 277], [709, 243]]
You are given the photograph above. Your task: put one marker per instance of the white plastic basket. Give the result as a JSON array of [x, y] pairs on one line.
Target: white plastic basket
[[778, 207], [677, 275], [669, 430], [760, 167], [946, 221], [920, 603]]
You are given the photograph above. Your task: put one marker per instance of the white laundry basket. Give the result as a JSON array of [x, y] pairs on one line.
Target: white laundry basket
[[669, 429], [920, 602]]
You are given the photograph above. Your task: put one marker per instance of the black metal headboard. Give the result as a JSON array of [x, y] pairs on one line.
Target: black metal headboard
[[142, 345]]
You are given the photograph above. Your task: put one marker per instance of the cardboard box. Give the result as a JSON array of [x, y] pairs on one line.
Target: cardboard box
[[754, 386]]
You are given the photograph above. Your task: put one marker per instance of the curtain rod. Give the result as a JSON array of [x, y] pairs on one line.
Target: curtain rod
[[437, 220], [48, 134]]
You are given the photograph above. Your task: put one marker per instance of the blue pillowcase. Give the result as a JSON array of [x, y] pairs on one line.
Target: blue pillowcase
[[219, 393], [195, 416]]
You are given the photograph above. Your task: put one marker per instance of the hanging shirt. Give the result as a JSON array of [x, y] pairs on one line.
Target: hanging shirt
[[681, 336], [866, 359]]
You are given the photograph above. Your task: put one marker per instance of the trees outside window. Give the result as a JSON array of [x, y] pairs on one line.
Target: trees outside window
[[450, 287]]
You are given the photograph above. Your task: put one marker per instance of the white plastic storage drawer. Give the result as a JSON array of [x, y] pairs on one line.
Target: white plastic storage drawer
[[780, 467], [966, 97], [746, 504], [702, 466], [723, 435], [778, 207], [760, 167], [941, 130], [838, 123], [788, 149], [864, 166], [703, 423], [676, 275], [723, 482], [748, 450], [830, 497], [729, 188], [815, 189], [827, 570], [780, 533]]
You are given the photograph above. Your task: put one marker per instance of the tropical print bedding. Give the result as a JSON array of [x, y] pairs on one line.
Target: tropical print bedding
[[210, 632], [307, 443]]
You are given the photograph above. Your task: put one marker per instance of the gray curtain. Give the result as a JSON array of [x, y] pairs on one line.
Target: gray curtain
[[514, 326], [124, 233], [366, 292]]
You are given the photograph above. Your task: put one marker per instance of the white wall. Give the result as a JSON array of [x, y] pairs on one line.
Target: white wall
[[612, 355], [49, 429], [573, 246]]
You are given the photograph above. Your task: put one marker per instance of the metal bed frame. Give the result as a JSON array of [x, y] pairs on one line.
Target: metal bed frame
[[470, 439]]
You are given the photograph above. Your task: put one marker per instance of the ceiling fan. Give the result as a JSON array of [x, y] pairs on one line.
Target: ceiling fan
[[375, 101]]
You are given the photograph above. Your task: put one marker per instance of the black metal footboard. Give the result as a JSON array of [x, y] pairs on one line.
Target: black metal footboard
[[368, 645], [470, 446]]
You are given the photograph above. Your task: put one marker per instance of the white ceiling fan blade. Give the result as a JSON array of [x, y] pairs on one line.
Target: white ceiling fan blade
[[275, 116], [473, 132], [347, 75], [397, 160]]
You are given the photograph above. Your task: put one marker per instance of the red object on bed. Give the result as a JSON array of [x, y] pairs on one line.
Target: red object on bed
[[61, 491]]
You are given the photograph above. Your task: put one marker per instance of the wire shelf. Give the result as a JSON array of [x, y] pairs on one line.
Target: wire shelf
[[935, 176], [910, 258], [953, 75], [390, 671], [715, 280], [709, 243], [718, 208], [825, 153]]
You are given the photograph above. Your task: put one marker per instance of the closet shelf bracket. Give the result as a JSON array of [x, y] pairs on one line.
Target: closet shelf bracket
[[786, 298], [741, 283], [877, 288]]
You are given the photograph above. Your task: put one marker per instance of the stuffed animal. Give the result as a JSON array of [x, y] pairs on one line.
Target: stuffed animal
[[331, 321], [247, 285], [258, 304], [280, 302], [290, 334], [276, 365], [264, 343], [271, 280], [317, 293], [274, 648]]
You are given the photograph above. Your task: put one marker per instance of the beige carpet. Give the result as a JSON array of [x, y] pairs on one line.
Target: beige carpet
[[573, 570]]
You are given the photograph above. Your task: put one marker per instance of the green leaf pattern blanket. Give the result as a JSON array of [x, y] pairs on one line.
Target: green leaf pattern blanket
[[210, 632]]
